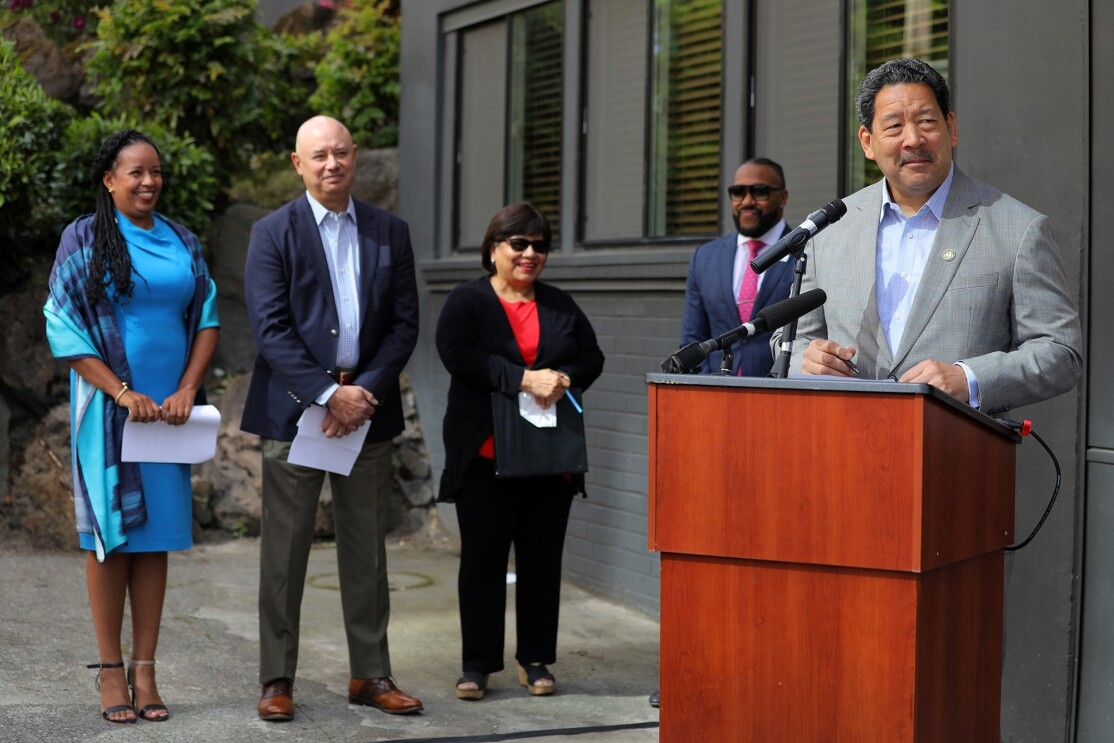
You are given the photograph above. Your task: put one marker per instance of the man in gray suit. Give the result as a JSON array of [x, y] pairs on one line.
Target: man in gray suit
[[933, 277]]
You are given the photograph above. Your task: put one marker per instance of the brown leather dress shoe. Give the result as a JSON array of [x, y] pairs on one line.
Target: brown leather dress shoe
[[277, 702], [382, 694]]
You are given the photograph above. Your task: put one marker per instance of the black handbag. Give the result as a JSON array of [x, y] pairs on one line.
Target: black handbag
[[524, 450]]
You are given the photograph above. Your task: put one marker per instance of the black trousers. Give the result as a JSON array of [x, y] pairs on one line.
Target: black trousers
[[530, 513]]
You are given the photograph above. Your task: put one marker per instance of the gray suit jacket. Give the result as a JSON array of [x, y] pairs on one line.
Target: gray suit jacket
[[993, 295]]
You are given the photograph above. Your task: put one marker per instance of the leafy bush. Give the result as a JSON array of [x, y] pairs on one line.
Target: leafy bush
[[357, 81], [64, 21], [190, 185], [294, 59], [203, 68], [29, 136]]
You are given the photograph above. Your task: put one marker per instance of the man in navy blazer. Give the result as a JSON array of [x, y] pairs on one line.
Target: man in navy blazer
[[758, 197], [718, 269], [333, 304]]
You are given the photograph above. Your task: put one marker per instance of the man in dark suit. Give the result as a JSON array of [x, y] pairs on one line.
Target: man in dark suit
[[333, 305], [722, 292]]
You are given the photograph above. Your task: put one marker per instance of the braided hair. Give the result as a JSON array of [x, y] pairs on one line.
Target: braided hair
[[111, 263]]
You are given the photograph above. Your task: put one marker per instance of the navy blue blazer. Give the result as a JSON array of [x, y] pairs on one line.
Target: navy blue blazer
[[294, 319], [711, 308]]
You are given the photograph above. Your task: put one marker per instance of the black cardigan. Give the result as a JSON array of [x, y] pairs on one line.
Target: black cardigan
[[478, 348]]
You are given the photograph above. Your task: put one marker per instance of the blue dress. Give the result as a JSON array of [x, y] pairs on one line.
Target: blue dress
[[152, 326]]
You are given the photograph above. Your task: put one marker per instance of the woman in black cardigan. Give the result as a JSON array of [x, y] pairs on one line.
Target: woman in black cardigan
[[508, 332]]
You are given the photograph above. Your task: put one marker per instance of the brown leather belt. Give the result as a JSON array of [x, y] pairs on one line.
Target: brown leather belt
[[344, 376]]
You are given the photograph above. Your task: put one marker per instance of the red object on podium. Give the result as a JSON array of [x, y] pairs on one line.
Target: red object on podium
[[832, 566]]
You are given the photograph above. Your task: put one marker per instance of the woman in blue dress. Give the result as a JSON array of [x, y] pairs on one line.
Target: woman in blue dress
[[132, 310]]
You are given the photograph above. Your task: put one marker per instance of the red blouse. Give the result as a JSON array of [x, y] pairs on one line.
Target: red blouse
[[523, 317]]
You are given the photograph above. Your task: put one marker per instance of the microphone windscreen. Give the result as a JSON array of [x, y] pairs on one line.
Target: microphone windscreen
[[787, 310], [685, 359], [835, 209]]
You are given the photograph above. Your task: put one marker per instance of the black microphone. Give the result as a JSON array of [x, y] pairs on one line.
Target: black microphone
[[818, 220], [772, 316]]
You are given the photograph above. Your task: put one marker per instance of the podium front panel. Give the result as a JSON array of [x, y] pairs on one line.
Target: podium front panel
[[761, 651], [829, 477]]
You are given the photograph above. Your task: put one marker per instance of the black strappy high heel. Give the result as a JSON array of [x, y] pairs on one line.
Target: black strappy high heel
[[149, 708], [119, 707]]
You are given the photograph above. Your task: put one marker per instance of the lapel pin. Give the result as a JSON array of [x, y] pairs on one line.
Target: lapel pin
[[948, 255]]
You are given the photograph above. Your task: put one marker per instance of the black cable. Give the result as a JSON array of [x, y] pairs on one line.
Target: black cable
[[1025, 429], [522, 735]]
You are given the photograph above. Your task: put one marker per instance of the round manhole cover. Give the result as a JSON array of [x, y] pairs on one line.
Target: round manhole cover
[[397, 581]]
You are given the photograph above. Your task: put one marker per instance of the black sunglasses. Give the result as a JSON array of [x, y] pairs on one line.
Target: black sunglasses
[[519, 244], [760, 191]]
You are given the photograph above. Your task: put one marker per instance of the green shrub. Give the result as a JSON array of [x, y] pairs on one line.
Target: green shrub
[[30, 130], [63, 21], [202, 68], [190, 185], [357, 81], [294, 59]]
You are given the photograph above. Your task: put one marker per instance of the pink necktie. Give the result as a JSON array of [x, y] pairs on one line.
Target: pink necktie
[[748, 289]]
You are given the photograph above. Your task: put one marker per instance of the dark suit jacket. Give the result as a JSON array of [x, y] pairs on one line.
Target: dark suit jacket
[[294, 318], [478, 348], [711, 309]]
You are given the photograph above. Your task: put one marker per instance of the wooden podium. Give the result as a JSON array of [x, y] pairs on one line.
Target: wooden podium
[[831, 561]]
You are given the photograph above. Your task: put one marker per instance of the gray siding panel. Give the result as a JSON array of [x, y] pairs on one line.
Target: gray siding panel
[[1023, 92], [799, 98]]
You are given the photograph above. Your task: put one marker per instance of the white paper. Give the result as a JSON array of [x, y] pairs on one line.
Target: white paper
[[192, 442], [312, 448], [529, 409]]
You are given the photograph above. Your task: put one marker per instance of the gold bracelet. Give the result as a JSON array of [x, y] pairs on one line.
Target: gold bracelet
[[124, 388]]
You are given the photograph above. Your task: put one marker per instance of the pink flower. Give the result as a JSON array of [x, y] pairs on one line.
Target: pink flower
[[55, 16], [79, 22]]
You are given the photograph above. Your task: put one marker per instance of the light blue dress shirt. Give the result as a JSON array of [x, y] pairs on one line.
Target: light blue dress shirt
[[904, 247], [339, 239]]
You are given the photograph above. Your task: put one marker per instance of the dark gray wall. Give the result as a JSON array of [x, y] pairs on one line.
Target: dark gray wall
[[632, 294], [1020, 74], [1096, 648]]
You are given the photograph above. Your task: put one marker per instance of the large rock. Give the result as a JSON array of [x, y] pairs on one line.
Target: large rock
[[377, 178], [305, 18], [228, 237], [5, 449], [235, 474], [42, 494], [27, 368], [59, 75]]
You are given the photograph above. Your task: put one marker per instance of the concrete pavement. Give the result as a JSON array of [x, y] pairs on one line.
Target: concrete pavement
[[208, 658]]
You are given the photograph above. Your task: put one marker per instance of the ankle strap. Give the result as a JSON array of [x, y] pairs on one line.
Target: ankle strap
[[134, 662], [107, 665]]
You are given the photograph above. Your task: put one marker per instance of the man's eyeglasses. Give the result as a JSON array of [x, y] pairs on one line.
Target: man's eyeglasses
[[759, 191], [519, 244]]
